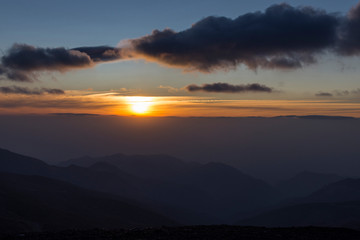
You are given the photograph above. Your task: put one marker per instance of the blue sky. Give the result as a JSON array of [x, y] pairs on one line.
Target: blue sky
[[78, 23]]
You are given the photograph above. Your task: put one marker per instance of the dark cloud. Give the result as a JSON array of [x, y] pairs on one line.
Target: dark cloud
[[53, 91], [349, 34], [281, 37], [28, 58], [339, 93], [20, 76], [101, 53], [342, 93], [14, 75], [229, 88], [28, 91], [324, 94], [21, 61], [2, 69]]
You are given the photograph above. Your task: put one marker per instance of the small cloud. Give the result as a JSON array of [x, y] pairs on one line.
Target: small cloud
[[323, 94], [345, 93], [229, 88]]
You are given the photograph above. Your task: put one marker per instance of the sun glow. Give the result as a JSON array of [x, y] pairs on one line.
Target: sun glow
[[140, 105]]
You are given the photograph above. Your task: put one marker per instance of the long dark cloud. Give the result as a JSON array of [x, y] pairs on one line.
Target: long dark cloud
[[101, 53], [22, 60], [28, 58], [281, 37], [28, 91], [229, 88], [349, 34]]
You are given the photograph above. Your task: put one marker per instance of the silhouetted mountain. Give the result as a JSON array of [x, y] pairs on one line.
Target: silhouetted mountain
[[306, 183], [336, 205], [16, 163], [213, 192], [104, 177], [228, 191], [340, 214], [33, 203], [106, 181], [104, 166], [145, 166], [345, 190]]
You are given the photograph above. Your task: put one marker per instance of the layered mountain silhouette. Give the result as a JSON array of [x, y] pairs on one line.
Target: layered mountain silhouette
[[341, 191], [146, 166], [113, 191], [306, 183], [209, 193], [336, 204], [34, 203]]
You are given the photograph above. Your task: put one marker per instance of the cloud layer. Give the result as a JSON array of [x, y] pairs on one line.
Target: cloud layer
[[28, 91], [281, 37], [228, 88]]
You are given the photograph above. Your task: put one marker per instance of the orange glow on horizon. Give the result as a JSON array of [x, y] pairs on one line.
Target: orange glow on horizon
[[110, 103], [140, 105]]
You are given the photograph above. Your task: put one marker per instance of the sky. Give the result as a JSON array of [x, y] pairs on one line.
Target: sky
[[172, 77], [278, 58]]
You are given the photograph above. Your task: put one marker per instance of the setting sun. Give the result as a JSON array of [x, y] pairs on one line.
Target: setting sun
[[140, 105]]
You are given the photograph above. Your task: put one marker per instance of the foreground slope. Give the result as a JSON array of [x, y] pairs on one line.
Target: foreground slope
[[222, 232]]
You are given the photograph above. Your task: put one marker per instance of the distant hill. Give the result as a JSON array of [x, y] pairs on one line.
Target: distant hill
[[93, 178], [145, 166], [345, 190], [306, 183], [33, 203], [229, 191], [16, 163]]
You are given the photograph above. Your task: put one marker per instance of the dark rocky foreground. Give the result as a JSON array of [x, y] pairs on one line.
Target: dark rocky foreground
[[199, 233]]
